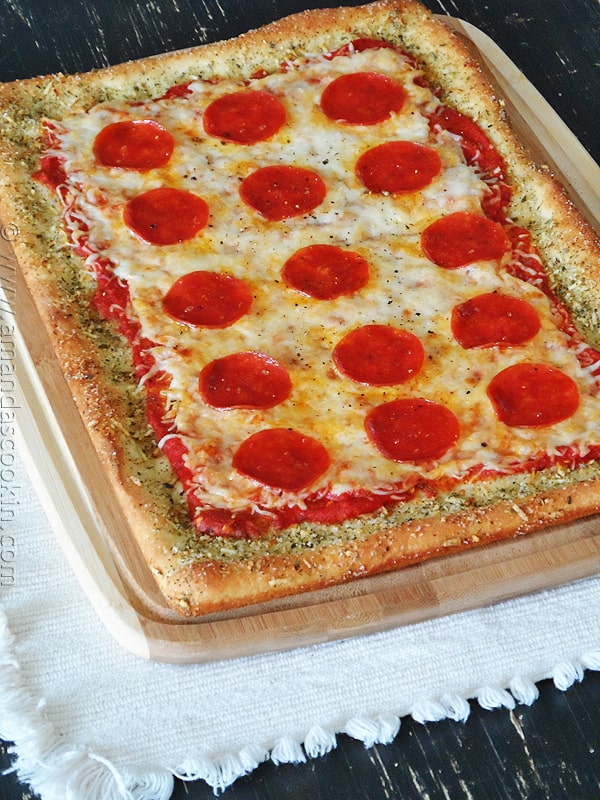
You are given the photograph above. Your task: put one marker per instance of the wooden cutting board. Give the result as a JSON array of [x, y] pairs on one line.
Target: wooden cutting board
[[102, 551]]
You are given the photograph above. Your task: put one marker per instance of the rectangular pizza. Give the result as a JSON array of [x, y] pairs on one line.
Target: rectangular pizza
[[320, 311]]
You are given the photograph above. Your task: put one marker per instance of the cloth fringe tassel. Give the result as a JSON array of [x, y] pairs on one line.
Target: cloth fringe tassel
[[58, 771]]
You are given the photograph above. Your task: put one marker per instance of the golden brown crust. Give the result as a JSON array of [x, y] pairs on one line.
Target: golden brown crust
[[197, 575], [210, 586]]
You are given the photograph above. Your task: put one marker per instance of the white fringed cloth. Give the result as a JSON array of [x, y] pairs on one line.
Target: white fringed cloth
[[89, 720]]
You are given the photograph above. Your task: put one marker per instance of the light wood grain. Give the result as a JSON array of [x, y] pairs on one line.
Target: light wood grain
[[102, 550]]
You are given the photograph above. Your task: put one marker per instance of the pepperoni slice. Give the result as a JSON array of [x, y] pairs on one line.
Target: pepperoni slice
[[244, 380], [533, 395], [379, 355], [398, 167], [362, 98], [244, 117], [281, 192], [461, 238], [325, 271], [166, 216], [494, 319], [412, 429], [282, 459], [140, 144], [207, 299]]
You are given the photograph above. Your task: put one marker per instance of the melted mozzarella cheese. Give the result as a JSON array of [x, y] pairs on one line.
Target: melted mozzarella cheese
[[405, 289]]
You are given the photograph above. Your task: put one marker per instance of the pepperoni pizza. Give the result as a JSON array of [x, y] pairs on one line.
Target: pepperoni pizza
[[337, 285]]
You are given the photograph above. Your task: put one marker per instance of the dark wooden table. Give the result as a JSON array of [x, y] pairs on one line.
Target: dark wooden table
[[550, 750]]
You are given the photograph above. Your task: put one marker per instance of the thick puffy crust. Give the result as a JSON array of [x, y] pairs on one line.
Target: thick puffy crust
[[211, 586], [197, 574]]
